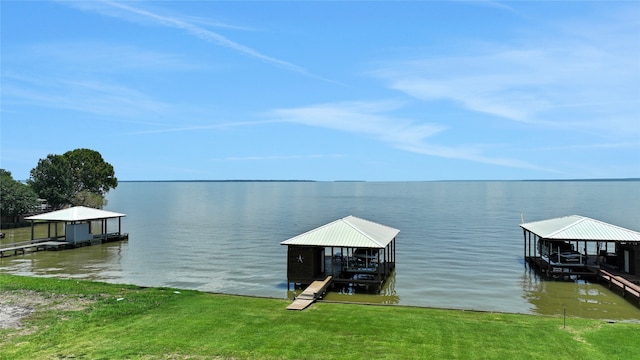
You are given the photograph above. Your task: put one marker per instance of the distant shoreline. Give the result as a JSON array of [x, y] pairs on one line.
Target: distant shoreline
[[354, 181], [218, 181]]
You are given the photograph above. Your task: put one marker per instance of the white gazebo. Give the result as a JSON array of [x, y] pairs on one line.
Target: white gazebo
[[77, 222]]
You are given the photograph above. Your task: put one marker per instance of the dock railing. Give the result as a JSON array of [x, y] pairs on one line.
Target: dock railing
[[627, 287]]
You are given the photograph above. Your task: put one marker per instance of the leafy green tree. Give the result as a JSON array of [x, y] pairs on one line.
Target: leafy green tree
[[77, 177], [16, 198], [51, 180], [89, 199], [90, 172]]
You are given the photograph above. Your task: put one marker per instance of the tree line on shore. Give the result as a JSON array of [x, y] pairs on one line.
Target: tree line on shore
[[77, 177]]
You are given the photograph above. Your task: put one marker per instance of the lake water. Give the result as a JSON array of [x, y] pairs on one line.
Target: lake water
[[460, 245]]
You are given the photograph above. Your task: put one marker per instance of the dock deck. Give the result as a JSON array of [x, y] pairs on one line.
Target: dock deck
[[52, 243], [312, 293], [627, 287], [37, 246], [587, 270], [369, 279], [626, 284]]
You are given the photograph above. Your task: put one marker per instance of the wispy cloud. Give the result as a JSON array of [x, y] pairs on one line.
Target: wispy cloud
[[216, 24], [222, 125], [368, 118], [88, 77], [489, 4], [603, 146], [376, 120], [585, 77], [86, 96], [279, 157], [137, 14], [83, 57]]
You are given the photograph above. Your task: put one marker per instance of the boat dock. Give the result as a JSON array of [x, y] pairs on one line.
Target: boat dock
[[21, 248], [355, 252], [53, 244], [627, 287], [572, 247], [312, 293], [588, 270]]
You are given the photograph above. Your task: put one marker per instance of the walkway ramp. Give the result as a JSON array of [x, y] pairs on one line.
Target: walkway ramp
[[310, 294], [21, 249], [627, 287]]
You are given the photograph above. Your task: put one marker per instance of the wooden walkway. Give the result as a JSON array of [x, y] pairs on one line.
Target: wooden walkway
[[626, 286], [21, 249], [310, 294]]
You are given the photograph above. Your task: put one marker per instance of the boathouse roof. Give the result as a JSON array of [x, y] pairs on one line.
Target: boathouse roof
[[576, 227], [350, 231], [76, 213]]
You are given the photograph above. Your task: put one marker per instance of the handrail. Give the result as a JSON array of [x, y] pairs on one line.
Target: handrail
[[19, 243], [622, 283]]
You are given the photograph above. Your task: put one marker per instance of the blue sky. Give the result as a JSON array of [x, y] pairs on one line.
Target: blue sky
[[275, 90]]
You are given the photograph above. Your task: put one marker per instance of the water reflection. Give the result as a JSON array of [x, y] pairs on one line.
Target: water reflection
[[346, 293], [459, 246], [96, 262], [580, 299]]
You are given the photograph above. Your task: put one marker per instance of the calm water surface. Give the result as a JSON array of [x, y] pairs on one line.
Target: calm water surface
[[460, 245]]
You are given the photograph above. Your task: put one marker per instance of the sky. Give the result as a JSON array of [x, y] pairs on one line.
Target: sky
[[339, 90]]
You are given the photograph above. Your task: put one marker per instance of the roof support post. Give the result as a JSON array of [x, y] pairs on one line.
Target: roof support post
[[394, 250], [332, 261], [378, 255], [524, 246], [387, 258]]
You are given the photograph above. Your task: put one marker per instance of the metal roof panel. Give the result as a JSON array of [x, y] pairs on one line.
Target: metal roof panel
[[76, 213], [577, 227], [350, 231]]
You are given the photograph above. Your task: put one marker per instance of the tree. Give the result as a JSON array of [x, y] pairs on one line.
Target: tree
[[90, 172], [16, 198], [89, 199], [51, 180], [77, 177]]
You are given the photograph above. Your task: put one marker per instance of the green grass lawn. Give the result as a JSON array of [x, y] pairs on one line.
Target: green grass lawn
[[124, 322]]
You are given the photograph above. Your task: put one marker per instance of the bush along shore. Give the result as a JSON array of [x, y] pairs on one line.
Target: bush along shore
[[47, 318]]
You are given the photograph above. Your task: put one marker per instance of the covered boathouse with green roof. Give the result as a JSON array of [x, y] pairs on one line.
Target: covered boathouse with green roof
[[355, 252]]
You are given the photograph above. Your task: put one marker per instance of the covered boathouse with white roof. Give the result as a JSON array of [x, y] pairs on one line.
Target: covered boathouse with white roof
[[354, 251], [78, 225], [581, 246]]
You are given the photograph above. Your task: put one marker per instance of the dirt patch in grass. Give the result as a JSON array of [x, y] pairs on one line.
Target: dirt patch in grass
[[16, 305]]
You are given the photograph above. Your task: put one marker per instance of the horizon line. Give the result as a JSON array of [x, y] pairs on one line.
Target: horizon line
[[441, 180]]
